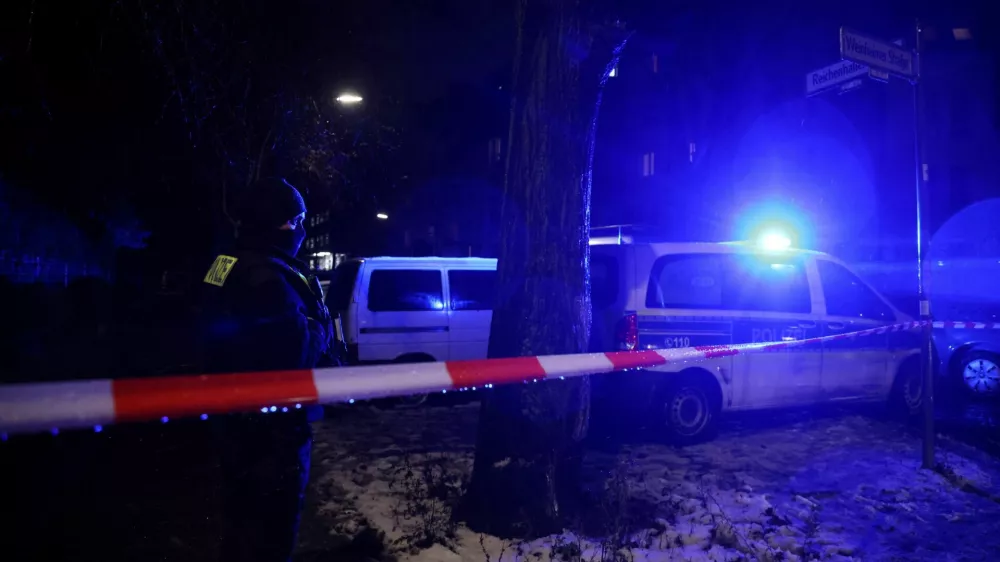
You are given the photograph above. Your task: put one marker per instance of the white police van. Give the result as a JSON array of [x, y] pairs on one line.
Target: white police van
[[670, 295], [402, 309]]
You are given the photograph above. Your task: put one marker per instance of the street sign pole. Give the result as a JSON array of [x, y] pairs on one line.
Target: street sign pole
[[926, 344], [884, 59]]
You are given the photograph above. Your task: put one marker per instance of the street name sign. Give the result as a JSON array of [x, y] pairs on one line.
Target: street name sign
[[829, 77], [877, 54]]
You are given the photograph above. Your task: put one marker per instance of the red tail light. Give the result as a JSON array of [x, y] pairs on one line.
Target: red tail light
[[627, 332]]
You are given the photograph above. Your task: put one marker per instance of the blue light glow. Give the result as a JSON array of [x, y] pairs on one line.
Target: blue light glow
[[284, 409], [350, 401], [774, 226], [55, 431], [98, 429], [204, 417], [274, 408], [298, 406], [264, 410], [774, 240], [164, 419]]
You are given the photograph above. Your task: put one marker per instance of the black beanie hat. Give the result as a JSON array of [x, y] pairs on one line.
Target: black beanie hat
[[270, 203]]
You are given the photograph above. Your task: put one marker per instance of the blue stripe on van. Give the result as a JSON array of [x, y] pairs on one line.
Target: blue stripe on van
[[404, 330]]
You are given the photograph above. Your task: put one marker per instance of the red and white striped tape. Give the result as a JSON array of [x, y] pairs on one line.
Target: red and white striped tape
[[969, 325], [48, 406]]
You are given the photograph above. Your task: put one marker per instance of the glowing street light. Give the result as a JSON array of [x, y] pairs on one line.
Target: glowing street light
[[349, 99], [381, 216]]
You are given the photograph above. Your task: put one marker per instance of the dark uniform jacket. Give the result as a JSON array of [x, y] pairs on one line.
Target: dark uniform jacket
[[263, 313]]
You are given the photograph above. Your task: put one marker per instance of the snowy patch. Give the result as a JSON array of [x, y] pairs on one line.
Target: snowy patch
[[847, 488]]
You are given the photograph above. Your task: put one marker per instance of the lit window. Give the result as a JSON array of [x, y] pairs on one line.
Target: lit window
[[648, 164], [614, 72], [656, 64]]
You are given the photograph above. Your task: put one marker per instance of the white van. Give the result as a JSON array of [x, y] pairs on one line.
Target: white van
[[414, 309]]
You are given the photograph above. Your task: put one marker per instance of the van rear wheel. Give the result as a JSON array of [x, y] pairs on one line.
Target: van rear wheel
[[405, 402], [690, 412]]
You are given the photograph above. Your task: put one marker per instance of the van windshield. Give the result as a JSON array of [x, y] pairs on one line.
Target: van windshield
[[342, 285]]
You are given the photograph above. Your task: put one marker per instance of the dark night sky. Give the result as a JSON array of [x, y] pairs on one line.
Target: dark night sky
[[420, 49]]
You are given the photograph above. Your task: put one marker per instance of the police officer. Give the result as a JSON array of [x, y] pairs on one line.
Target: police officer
[[265, 313]]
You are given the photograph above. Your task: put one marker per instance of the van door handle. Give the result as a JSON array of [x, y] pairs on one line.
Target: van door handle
[[807, 325], [835, 325]]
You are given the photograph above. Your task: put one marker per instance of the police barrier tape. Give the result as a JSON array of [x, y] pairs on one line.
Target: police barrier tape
[[74, 404]]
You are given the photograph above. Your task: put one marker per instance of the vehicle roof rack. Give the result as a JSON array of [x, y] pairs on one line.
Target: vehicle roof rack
[[631, 234]]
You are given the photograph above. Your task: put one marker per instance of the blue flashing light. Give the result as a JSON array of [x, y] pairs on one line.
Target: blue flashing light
[[284, 409], [263, 410], [164, 419], [274, 408], [98, 429], [774, 225], [204, 417], [350, 401], [774, 241], [54, 431], [298, 406], [445, 391]]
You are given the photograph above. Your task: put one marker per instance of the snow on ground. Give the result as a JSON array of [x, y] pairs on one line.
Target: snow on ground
[[834, 488]]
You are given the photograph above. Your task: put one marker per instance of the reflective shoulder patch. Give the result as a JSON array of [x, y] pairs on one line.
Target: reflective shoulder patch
[[220, 270]]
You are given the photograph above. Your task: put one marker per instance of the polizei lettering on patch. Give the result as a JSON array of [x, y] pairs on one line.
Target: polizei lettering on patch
[[220, 270]]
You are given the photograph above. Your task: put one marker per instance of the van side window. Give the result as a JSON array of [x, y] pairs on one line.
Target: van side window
[[847, 296], [729, 282], [405, 290], [472, 289]]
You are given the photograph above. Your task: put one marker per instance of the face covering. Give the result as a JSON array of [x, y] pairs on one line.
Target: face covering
[[289, 241]]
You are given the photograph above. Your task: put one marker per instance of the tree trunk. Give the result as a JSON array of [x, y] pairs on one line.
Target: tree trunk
[[525, 480]]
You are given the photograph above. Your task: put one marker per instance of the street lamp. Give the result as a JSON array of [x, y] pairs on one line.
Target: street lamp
[[349, 99], [381, 216]]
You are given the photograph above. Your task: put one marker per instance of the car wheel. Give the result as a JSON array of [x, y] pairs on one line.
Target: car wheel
[[908, 390], [404, 402], [689, 413], [980, 373], [414, 401]]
